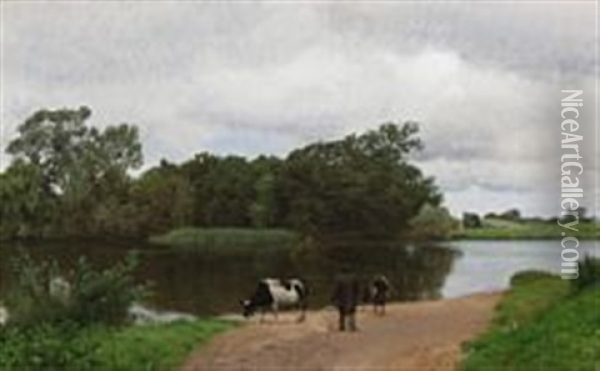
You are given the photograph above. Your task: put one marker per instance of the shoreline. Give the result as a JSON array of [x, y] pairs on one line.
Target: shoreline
[[361, 308], [424, 334]]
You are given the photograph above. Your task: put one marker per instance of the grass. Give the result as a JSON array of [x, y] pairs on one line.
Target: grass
[[154, 347], [227, 239], [495, 229], [541, 324]]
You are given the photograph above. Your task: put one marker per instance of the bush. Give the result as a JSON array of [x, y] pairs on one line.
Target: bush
[[46, 347], [70, 347], [471, 220], [433, 223], [528, 276], [589, 273], [40, 294]]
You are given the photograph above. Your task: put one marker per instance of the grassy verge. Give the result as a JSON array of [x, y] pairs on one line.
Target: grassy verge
[[541, 324], [227, 239], [157, 347], [527, 230]]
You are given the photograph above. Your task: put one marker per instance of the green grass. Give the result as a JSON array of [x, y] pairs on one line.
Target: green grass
[[157, 347], [63, 347], [541, 324], [495, 229], [227, 239]]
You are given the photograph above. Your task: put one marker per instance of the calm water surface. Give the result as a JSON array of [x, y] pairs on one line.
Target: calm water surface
[[209, 283]]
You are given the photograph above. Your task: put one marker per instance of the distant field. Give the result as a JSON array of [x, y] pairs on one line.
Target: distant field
[[226, 239], [496, 229]]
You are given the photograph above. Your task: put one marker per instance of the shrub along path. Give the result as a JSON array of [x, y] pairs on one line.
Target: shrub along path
[[412, 336]]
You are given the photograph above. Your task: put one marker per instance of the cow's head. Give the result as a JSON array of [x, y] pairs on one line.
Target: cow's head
[[247, 308]]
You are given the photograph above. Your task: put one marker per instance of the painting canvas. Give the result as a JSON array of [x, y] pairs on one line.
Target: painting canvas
[[299, 185]]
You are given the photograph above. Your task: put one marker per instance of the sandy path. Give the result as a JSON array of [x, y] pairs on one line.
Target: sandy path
[[412, 336]]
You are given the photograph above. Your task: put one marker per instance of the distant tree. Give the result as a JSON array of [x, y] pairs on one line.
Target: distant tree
[[471, 220], [491, 215], [582, 212], [511, 214], [433, 223]]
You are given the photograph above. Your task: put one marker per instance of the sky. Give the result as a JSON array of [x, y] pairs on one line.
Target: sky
[[483, 79]]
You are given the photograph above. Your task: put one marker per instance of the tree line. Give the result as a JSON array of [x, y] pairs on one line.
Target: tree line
[[69, 179]]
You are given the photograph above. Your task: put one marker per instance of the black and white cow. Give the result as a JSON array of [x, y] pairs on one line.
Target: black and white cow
[[274, 294]]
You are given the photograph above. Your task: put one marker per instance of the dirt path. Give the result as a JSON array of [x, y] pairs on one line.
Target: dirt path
[[412, 336]]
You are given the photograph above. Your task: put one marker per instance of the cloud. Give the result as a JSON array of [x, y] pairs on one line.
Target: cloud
[[251, 78]]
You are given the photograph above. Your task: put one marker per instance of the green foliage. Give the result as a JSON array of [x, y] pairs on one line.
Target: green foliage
[[525, 277], [75, 329], [70, 179], [92, 296], [540, 326], [78, 171], [223, 190], [26, 203], [531, 293], [589, 273], [360, 183], [512, 214], [157, 347], [227, 240], [163, 198], [263, 209], [47, 347], [505, 230], [471, 220], [433, 223], [104, 296], [64, 346]]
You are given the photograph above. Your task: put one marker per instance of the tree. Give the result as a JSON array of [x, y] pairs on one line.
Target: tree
[[26, 205], [79, 165], [471, 220], [265, 210], [433, 223], [223, 190], [511, 215], [360, 184], [164, 199]]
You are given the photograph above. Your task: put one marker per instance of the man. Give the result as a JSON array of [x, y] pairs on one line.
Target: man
[[345, 297]]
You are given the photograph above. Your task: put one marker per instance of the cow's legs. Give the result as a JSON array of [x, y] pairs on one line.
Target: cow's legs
[[262, 316], [303, 307]]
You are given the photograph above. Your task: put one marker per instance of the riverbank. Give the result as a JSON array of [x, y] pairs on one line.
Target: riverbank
[[159, 347], [230, 240], [541, 324], [526, 230], [413, 335]]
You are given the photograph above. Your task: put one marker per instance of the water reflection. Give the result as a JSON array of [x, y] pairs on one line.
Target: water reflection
[[208, 283]]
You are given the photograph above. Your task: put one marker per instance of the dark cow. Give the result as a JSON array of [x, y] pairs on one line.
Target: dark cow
[[378, 293], [274, 294]]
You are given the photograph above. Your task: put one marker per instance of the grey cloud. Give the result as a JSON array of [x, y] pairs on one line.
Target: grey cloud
[[203, 76], [541, 40]]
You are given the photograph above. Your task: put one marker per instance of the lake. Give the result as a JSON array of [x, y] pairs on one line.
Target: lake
[[209, 283]]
